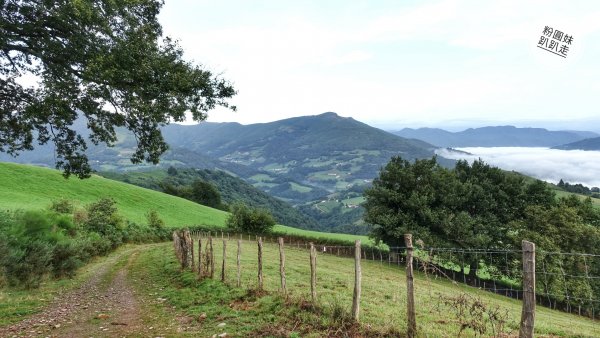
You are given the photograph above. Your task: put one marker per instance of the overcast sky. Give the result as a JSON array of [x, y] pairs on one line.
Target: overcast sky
[[393, 64]]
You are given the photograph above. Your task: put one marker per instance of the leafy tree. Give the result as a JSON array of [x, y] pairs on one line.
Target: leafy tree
[[154, 220], [172, 171], [205, 193], [244, 219], [469, 206], [104, 61], [104, 219]]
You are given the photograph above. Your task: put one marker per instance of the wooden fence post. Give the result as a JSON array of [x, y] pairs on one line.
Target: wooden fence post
[[357, 281], [528, 313], [211, 257], [191, 244], [282, 265], [239, 265], [412, 322], [313, 273], [223, 265], [260, 272], [199, 258]]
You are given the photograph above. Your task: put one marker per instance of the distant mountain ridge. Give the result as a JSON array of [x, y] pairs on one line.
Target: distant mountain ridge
[[316, 134], [585, 144], [495, 136]]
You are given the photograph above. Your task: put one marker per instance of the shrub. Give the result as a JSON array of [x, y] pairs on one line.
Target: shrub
[[103, 218], [154, 221], [27, 262], [249, 220], [62, 206], [66, 258]]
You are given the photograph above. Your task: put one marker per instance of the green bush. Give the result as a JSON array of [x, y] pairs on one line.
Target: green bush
[[154, 220], [66, 258], [26, 263], [244, 219], [62, 206], [103, 218]]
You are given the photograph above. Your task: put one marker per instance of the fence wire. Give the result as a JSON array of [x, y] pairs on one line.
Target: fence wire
[[567, 282]]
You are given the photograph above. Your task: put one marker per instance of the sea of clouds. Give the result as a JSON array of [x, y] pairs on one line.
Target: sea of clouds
[[550, 165]]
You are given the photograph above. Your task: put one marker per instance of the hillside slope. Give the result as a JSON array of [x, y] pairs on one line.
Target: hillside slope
[[497, 136], [232, 190], [586, 144], [29, 187]]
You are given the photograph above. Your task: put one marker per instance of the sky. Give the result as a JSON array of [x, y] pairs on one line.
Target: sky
[[392, 64]]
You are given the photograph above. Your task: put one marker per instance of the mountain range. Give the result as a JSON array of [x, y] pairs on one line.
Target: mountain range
[[319, 164], [497, 136], [585, 144]]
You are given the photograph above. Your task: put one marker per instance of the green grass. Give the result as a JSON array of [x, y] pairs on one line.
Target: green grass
[[322, 235], [261, 178], [354, 200], [383, 300], [30, 187], [562, 193], [300, 188]]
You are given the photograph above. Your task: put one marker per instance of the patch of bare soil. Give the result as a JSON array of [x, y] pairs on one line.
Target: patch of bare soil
[[104, 306]]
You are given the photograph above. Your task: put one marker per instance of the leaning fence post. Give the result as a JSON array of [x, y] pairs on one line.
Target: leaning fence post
[[239, 265], [412, 322], [282, 265], [191, 243], [528, 313], [224, 261], [199, 258], [313, 273], [260, 272], [357, 281], [211, 257]]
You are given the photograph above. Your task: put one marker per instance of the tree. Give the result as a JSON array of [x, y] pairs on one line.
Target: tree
[[205, 193], [105, 62], [244, 219], [467, 207], [172, 171]]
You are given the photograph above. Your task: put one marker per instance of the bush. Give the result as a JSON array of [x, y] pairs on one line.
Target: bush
[[154, 221], [103, 218], [62, 206], [27, 263], [66, 258], [249, 220]]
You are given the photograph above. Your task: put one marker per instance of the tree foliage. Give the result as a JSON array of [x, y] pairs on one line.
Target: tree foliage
[[475, 206], [245, 219], [105, 61]]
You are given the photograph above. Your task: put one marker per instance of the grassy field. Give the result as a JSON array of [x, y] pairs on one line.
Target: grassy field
[[29, 187], [382, 307], [322, 235], [561, 193]]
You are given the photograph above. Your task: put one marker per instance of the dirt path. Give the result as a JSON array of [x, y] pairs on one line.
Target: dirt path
[[104, 306]]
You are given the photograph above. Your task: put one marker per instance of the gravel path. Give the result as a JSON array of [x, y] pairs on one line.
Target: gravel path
[[104, 306]]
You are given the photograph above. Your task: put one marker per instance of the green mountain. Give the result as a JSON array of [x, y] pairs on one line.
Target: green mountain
[[232, 189], [308, 161], [586, 144], [499, 136], [325, 152]]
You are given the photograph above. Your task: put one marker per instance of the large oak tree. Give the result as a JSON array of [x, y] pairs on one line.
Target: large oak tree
[[102, 60]]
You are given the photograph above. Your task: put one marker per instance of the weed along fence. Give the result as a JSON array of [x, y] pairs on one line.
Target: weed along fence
[[446, 286]]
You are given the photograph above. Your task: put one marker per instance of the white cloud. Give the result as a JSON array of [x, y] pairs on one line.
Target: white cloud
[[424, 62], [551, 165]]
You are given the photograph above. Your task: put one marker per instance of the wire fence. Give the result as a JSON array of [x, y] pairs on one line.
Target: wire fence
[[568, 282]]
